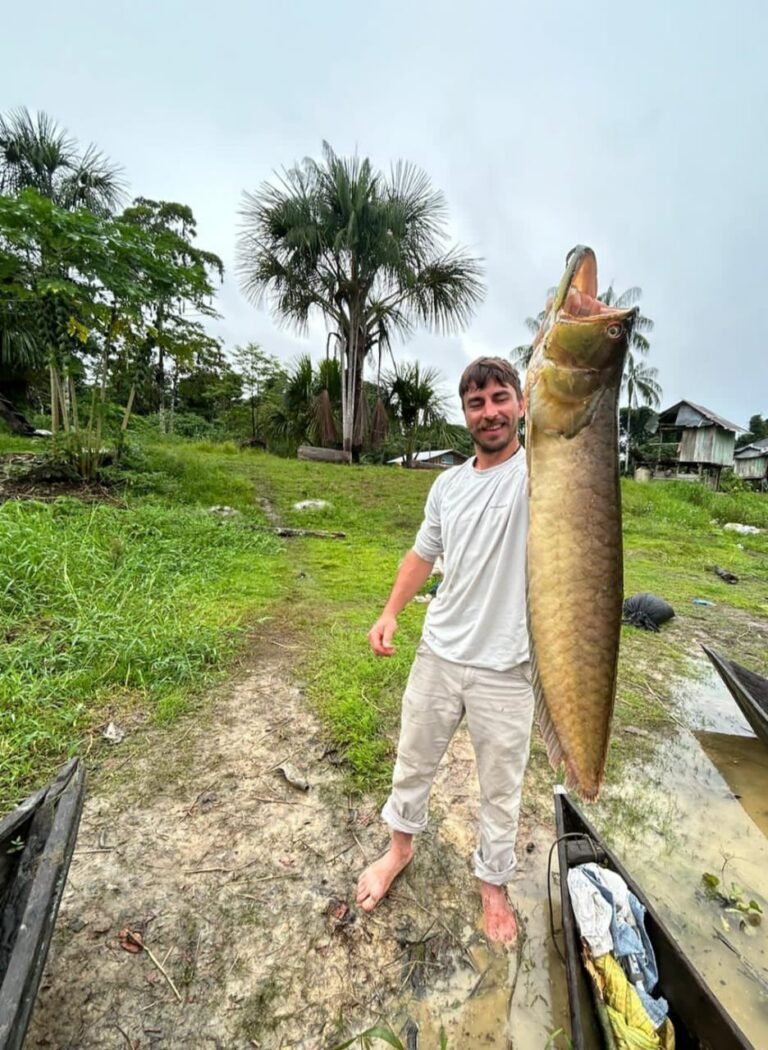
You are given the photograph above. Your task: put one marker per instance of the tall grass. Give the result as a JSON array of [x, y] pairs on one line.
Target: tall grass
[[105, 608]]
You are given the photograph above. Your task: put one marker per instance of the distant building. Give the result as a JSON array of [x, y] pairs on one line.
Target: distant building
[[435, 459], [751, 462], [695, 442]]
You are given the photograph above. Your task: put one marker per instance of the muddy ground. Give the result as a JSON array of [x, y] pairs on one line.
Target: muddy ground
[[241, 885]]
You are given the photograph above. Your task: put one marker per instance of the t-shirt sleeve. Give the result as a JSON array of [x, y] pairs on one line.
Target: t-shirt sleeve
[[429, 539]]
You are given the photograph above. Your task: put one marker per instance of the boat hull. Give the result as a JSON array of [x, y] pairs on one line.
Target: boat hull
[[748, 689], [36, 844]]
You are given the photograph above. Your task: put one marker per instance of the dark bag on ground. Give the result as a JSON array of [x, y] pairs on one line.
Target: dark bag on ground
[[647, 611]]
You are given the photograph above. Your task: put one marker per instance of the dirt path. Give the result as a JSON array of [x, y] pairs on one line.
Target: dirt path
[[242, 887]]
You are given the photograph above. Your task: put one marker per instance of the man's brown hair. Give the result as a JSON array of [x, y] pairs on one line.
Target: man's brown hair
[[480, 371]]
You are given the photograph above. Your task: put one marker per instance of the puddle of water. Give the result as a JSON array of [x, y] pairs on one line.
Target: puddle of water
[[508, 1000], [539, 1005], [469, 1006], [679, 818], [743, 763], [707, 704]]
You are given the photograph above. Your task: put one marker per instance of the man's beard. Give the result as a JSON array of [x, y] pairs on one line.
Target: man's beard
[[510, 434]]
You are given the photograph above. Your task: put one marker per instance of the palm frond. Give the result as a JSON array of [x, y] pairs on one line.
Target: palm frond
[[520, 356], [36, 153]]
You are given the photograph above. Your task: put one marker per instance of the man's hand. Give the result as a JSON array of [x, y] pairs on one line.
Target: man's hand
[[380, 635]]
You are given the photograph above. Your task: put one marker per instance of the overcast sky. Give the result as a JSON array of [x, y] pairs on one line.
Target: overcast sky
[[641, 130]]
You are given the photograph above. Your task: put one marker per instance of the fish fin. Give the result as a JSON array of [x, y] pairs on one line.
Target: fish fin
[[555, 751], [573, 419]]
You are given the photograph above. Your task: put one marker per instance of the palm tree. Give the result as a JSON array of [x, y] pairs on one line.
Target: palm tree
[[415, 401], [642, 386], [36, 153], [521, 355], [305, 407], [365, 251]]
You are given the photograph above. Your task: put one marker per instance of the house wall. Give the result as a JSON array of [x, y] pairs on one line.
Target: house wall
[[707, 445], [754, 468]]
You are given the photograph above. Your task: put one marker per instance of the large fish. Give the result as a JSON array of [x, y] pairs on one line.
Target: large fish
[[574, 540]]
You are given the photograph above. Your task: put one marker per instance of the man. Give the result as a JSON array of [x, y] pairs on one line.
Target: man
[[473, 657]]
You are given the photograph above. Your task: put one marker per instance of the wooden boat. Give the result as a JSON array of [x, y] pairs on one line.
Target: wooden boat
[[748, 689], [699, 1020], [36, 844]]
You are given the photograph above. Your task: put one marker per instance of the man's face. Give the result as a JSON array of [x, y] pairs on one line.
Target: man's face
[[492, 415]]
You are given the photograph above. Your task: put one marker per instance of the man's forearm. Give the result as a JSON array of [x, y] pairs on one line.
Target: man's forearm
[[412, 575]]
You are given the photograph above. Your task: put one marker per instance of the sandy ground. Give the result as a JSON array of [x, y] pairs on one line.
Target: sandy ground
[[241, 886]]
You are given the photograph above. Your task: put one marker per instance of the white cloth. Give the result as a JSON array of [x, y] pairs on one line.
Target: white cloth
[[478, 521], [592, 912], [499, 711]]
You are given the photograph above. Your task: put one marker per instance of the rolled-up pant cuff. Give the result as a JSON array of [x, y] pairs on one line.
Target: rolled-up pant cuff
[[390, 815], [493, 877]]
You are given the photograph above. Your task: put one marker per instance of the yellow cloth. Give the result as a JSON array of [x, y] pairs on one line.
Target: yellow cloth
[[632, 1028]]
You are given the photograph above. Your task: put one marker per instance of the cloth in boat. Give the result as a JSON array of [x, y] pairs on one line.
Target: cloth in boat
[[629, 1026], [612, 919]]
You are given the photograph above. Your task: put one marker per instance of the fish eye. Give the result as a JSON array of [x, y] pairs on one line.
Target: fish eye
[[615, 331]]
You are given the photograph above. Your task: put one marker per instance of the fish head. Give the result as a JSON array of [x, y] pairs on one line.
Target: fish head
[[579, 351]]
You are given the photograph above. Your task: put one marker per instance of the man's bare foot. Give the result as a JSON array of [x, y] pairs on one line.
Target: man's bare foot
[[378, 877], [500, 921]]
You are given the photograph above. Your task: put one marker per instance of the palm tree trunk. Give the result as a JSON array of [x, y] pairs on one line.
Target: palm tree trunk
[[629, 433], [358, 429], [348, 403]]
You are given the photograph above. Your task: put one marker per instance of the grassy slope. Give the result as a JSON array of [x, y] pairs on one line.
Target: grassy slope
[[116, 611], [108, 608]]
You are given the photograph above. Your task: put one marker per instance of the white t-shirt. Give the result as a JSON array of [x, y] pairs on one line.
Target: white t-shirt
[[478, 521]]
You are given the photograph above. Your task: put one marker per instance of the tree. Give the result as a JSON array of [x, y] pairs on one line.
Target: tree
[[641, 385], [257, 370], [365, 251], [758, 428], [35, 153], [209, 386], [306, 406], [416, 403], [170, 333], [87, 282]]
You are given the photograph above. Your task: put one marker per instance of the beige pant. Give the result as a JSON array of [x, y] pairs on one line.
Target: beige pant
[[499, 710]]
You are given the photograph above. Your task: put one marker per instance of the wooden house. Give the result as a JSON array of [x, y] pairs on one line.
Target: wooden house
[[698, 442], [751, 463], [433, 459]]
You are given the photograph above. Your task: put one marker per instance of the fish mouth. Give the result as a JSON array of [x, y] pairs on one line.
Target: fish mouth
[[576, 299]]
